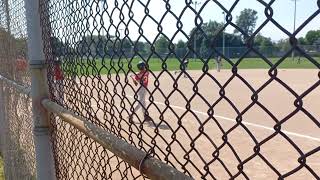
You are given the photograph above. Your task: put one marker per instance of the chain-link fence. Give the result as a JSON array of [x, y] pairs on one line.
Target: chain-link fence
[[106, 60], [144, 72], [17, 148]]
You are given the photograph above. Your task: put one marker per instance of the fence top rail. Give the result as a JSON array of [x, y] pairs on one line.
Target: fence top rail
[[21, 88], [151, 167]]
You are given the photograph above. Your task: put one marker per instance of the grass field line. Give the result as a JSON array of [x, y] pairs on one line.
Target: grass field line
[[243, 122]]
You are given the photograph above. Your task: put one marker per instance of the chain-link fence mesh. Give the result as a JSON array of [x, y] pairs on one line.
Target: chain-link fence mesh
[[237, 123], [17, 148]]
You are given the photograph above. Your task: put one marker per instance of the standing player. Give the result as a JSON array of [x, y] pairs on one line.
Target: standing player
[[141, 79], [184, 66], [58, 77], [219, 61]]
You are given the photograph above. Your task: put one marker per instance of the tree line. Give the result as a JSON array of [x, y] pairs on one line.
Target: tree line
[[204, 40]]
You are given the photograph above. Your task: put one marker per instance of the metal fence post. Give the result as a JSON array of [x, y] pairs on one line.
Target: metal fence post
[[39, 90]]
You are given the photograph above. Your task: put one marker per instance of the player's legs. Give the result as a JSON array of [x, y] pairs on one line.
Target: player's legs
[[138, 106], [59, 91], [142, 99], [141, 102], [218, 62]]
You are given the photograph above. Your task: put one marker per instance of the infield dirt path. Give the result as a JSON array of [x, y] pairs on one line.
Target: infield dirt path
[[188, 138]]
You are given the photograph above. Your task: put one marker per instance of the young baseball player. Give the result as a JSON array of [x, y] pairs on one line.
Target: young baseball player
[[58, 77], [218, 62], [141, 79], [185, 66]]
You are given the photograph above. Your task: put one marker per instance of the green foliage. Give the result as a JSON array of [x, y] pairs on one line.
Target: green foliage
[[264, 44], [247, 20], [203, 41], [161, 45], [181, 44], [283, 45], [312, 36], [302, 41], [181, 49], [262, 41], [59, 48], [140, 47], [213, 39]]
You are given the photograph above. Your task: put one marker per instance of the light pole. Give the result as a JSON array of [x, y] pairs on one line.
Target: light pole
[[195, 38], [121, 30], [223, 35], [100, 5], [294, 22]]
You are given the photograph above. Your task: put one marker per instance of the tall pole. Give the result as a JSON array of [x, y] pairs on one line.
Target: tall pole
[[101, 17], [223, 35], [195, 38], [121, 30], [294, 22], [39, 90]]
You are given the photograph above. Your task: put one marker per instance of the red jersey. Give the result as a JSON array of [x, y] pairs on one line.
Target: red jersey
[[58, 72], [142, 76]]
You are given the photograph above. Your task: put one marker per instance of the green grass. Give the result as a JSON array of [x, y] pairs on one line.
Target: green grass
[[107, 66]]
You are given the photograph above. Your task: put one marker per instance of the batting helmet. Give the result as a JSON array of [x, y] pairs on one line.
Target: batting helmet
[[141, 65]]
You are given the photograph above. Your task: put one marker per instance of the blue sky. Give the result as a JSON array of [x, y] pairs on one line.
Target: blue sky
[[283, 13]]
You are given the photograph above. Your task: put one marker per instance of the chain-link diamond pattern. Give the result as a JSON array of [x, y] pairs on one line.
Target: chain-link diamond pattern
[[96, 44]]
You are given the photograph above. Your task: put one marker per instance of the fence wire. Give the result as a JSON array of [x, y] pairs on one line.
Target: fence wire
[[196, 121], [17, 147]]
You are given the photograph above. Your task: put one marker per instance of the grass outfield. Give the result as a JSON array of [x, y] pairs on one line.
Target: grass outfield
[[106, 67]]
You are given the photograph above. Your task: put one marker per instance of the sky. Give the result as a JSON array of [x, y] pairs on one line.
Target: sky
[[104, 13]]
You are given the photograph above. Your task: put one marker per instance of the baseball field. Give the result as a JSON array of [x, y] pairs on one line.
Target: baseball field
[[228, 123]]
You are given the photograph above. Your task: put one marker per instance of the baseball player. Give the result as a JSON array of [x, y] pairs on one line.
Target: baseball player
[[141, 79], [218, 62], [185, 66], [58, 77]]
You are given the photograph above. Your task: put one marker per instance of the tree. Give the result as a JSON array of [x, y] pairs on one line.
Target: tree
[[195, 40], [94, 46], [161, 45], [262, 41], [302, 41], [312, 36], [264, 44], [247, 21], [233, 40], [181, 44], [181, 48], [140, 47], [213, 38], [60, 48], [283, 45]]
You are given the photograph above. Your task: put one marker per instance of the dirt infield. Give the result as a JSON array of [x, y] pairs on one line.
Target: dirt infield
[[183, 131]]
